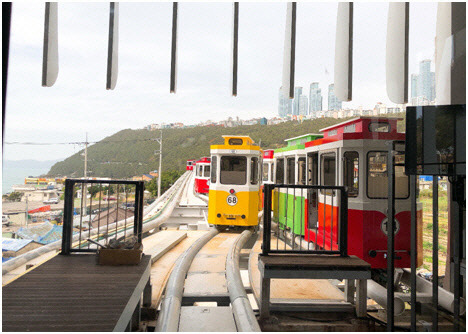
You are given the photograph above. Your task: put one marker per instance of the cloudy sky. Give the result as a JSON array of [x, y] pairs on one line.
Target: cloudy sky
[[79, 103]]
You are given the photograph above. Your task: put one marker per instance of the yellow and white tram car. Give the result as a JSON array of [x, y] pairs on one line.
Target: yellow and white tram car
[[234, 197]]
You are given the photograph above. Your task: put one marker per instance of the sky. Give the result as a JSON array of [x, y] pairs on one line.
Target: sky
[[79, 103]]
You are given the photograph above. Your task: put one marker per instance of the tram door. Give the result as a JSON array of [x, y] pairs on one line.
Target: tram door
[[312, 194]]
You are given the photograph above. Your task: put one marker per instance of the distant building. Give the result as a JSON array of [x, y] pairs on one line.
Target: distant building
[[423, 85], [333, 103], [263, 121], [315, 99], [414, 87], [284, 105], [303, 105], [297, 98], [147, 177]]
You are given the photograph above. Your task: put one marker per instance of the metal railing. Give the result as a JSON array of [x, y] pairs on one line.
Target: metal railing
[[117, 207], [318, 213]]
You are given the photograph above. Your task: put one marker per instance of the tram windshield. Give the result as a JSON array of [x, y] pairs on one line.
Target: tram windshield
[[377, 176], [291, 171], [206, 172], [214, 161], [351, 172], [279, 171], [301, 166], [233, 170], [265, 172], [254, 171]]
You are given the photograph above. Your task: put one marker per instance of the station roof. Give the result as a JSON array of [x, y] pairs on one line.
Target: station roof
[[14, 245]]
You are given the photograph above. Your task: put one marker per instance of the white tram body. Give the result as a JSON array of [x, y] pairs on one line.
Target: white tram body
[[354, 154]]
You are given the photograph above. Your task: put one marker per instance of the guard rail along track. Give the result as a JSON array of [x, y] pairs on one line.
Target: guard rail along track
[[243, 314], [154, 215]]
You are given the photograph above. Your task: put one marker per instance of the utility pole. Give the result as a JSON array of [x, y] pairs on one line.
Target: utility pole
[[27, 207], [85, 192], [86, 156], [160, 165]]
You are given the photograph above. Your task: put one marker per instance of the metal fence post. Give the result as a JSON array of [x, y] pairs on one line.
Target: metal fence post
[[343, 222], [390, 238], [414, 248], [140, 220], [67, 217], [267, 189]]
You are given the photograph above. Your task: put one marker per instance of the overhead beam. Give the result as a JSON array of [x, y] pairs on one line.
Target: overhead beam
[[173, 83], [397, 52], [343, 79], [289, 56], [113, 47], [50, 66]]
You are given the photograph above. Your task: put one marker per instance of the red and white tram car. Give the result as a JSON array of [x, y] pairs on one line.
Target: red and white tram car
[[190, 164], [268, 166], [354, 154], [202, 175]]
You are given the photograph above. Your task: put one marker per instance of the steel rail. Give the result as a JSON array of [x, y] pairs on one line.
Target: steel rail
[[31, 255], [168, 320], [243, 314]]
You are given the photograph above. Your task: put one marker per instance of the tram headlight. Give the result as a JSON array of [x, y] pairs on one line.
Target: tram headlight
[[218, 215], [243, 216]]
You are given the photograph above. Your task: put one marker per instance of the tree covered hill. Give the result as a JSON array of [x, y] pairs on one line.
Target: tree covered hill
[[132, 152]]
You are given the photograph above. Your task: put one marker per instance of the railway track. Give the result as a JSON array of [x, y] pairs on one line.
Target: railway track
[[205, 290]]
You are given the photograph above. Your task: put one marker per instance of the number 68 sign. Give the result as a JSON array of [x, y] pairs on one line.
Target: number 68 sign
[[231, 200]]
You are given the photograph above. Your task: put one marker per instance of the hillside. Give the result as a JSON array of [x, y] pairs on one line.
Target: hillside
[[131, 152]]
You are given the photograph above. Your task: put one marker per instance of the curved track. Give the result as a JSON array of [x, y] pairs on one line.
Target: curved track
[[205, 291]]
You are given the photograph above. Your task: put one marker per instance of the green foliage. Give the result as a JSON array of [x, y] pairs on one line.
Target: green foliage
[[129, 152], [427, 245], [15, 196], [167, 180], [425, 193], [93, 190]]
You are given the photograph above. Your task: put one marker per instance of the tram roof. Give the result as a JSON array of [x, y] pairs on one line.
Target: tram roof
[[298, 143], [360, 128], [377, 118], [247, 143]]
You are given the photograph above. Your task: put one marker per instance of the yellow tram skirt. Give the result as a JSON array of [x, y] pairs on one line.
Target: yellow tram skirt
[[244, 213]]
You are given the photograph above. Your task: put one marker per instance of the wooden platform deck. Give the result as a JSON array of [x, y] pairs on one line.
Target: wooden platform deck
[[73, 293], [291, 289]]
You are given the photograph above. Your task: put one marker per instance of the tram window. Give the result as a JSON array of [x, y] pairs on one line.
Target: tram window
[[233, 170], [214, 161], [200, 170], [301, 177], [235, 141], [207, 171], [253, 170], [280, 171], [272, 167], [377, 176], [328, 162], [265, 172], [351, 173], [313, 168], [379, 127], [291, 170]]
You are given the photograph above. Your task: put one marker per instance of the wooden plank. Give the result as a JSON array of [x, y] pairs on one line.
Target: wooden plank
[[160, 243], [291, 289], [314, 262], [207, 273], [73, 293], [162, 268], [206, 319]]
